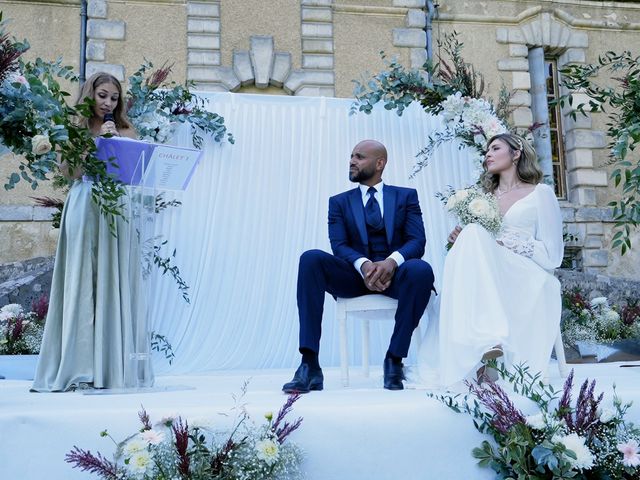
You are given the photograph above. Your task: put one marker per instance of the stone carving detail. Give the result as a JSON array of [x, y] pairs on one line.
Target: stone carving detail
[[262, 65]]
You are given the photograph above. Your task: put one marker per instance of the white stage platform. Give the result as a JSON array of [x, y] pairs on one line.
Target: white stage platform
[[359, 432]]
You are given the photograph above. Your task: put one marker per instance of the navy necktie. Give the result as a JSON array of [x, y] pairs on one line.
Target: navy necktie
[[372, 213]]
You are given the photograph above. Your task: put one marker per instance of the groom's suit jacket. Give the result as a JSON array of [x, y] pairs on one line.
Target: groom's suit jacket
[[402, 222]]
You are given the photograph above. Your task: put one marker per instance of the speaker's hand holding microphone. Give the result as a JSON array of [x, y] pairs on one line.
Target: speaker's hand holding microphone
[[109, 125]]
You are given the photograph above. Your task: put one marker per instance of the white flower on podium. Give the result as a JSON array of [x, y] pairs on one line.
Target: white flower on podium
[[154, 125]]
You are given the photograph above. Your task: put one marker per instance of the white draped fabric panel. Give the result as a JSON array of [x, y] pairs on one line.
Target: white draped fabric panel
[[252, 208]]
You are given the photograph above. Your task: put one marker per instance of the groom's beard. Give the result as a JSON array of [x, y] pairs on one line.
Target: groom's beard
[[360, 176]]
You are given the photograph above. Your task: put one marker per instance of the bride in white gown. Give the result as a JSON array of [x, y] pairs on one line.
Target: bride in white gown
[[499, 295]]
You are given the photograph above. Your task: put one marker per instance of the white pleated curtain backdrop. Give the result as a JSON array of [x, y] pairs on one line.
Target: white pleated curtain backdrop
[[253, 207]]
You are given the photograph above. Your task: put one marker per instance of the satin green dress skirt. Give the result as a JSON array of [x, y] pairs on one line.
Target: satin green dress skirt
[[89, 332]]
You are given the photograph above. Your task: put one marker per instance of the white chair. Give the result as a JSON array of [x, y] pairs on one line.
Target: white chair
[[376, 302], [364, 303], [558, 347]]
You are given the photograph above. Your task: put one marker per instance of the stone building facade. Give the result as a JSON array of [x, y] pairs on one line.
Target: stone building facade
[[316, 48]]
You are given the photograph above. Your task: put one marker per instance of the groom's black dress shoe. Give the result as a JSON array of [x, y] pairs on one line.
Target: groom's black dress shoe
[[304, 380], [393, 375]]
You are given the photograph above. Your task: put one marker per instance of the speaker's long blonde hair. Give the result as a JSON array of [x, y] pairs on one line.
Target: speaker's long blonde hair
[[89, 90], [527, 167]]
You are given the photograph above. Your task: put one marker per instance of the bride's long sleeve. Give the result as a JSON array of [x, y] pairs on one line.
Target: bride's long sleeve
[[545, 245], [548, 244]]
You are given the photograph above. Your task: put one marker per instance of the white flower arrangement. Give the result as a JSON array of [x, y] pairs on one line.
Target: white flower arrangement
[[473, 121], [563, 440], [20, 331], [154, 125], [595, 321], [178, 448], [156, 107]]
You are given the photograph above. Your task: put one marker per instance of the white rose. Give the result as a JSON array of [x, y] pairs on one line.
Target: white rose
[[480, 208], [40, 144]]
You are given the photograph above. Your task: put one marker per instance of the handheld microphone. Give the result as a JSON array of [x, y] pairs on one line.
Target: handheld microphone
[[108, 117]]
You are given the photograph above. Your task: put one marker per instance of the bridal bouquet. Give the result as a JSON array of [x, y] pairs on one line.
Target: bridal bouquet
[[177, 448], [560, 440], [472, 205]]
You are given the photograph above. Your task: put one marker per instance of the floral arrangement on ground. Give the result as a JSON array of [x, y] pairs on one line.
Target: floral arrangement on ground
[[177, 448], [561, 439], [451, 88], [20, 331], [596, 320]]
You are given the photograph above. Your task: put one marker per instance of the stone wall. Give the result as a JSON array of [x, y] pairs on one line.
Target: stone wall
[[25, 282], [617, 290]]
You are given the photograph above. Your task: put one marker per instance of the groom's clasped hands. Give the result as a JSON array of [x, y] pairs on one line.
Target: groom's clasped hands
[[378, 275]]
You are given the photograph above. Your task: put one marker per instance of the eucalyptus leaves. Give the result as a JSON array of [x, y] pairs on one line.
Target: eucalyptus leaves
[[621, 103]]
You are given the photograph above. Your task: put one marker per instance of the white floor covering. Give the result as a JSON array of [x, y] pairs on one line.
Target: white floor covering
[[359, 432]]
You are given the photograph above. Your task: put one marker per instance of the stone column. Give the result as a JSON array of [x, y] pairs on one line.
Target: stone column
[[540, 111]]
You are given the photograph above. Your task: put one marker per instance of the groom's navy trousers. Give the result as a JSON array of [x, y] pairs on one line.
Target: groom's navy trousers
[[321, 272]]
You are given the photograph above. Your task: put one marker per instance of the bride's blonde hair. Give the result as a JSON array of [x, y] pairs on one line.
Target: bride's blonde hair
[[527, 167]]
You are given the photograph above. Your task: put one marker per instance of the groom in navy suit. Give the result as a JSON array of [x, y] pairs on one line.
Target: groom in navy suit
[[377, 237]]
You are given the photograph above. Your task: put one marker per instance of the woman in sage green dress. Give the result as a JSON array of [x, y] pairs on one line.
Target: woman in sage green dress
[[88, 334]]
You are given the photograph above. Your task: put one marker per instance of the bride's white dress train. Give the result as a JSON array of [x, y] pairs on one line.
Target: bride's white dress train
[[498, 295]]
